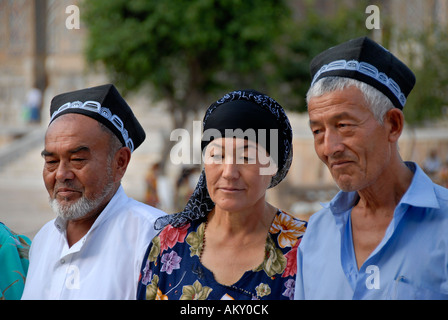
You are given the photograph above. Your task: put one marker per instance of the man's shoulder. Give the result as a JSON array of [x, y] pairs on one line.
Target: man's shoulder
[[321, 224], [134, 211], [48, 230], [324, 215], [47, 227], [441, 194], [143, 209]]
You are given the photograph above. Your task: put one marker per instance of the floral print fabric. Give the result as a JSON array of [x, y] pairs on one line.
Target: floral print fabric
[[172, 269], [14, 263]]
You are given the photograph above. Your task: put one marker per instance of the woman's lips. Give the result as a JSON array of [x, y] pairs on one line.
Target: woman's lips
[[230, 189]]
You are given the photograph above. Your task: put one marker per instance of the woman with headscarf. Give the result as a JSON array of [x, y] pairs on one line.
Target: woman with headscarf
[[228, 242]]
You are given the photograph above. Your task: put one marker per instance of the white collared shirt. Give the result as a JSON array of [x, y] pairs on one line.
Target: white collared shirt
[[104, 264]]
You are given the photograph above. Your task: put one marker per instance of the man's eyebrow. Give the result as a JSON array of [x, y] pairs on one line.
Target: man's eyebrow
[[46, 153], [343, 115], [311, 122], [336, 117], [80, 149]]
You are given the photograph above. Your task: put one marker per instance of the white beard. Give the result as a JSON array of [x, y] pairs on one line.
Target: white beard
[[81, 207]]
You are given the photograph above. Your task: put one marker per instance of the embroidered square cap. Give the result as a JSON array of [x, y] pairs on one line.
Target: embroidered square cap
[[106, 105], [365, 60]]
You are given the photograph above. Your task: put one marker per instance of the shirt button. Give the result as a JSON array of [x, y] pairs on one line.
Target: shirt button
[[62, 261]]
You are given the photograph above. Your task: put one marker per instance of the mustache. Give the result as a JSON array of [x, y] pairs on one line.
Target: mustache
[[340, 157], [66, 185]]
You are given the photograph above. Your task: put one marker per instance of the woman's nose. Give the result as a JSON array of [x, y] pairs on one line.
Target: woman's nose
[[230, 171]]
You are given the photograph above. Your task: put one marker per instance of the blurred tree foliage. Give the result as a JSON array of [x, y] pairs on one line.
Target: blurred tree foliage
[[313, 32], [189, 52], [426, 54]]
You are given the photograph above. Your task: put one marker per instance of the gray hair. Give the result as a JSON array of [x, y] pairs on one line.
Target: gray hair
[[114, 143], [377, 102]]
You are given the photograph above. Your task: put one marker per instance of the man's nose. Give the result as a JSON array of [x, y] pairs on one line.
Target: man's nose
[[332, 143], [64, 172]]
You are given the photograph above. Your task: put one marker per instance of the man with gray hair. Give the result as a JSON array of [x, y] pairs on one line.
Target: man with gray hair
[[93, 249], [384, 235]]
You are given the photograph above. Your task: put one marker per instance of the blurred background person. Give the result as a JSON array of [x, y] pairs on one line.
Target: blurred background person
[[151, 179], [432, 164], [33, 105]]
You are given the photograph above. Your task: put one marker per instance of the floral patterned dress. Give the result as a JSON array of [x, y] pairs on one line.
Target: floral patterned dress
[[172, 269]]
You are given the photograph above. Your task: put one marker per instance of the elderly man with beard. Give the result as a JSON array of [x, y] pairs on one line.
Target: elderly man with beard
[[384, 235], [92, 250]]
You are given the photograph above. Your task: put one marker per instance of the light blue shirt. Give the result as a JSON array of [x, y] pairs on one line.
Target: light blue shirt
[[411, 261]]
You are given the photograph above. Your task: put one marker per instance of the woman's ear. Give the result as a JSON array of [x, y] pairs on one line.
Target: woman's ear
[[394, 119], [121, 161]]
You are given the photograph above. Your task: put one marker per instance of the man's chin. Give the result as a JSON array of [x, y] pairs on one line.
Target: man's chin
[[346, 186], [71, 210], [76, 209]]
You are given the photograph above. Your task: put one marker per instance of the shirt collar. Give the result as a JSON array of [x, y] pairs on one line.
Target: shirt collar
[[419, 194], [342, 202]]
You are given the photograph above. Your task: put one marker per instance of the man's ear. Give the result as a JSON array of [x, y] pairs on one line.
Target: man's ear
[[394, 119], [121, 161]]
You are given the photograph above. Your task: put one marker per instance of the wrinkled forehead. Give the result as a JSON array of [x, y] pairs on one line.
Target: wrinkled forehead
[[234, 143], [348, 100], [76, 120], [73, 129]]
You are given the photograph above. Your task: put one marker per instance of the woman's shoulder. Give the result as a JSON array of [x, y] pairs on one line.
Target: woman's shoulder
[[9, 236], [186, 227], [287, 228], [285, 219], [171, 236]]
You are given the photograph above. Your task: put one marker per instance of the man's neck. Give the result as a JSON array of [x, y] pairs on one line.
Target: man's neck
[[388, 189], [76, 229], [373, 213]]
